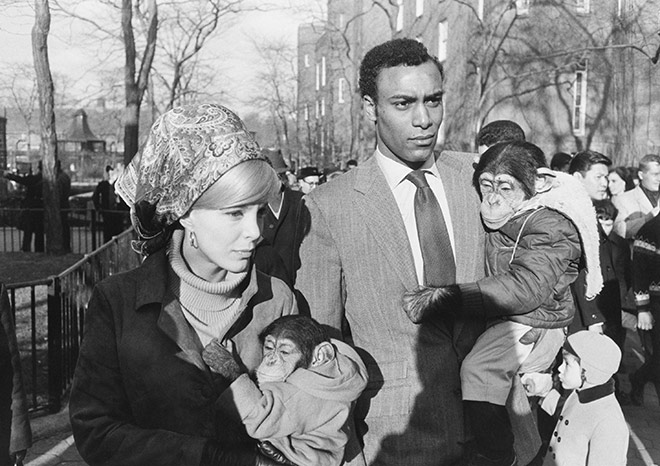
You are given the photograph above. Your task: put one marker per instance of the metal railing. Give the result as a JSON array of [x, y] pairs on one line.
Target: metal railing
[[54, 308], [86, 227]]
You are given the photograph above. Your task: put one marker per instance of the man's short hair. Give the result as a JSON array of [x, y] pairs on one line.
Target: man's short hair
[[500, 131], [647, 160], [396, 52], [582, 161], [560, 160]]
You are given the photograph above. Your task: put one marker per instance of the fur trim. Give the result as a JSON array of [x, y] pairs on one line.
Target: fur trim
[[568, 196]]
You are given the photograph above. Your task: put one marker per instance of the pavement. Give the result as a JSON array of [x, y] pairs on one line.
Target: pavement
[[53, 441]]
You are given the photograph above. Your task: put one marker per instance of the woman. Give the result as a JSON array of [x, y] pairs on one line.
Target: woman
[[142, 394], [619, 181]]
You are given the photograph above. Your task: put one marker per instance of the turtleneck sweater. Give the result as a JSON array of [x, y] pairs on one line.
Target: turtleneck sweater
[[209, 307]]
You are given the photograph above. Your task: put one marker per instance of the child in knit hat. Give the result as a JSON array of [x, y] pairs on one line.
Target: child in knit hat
[[591, 429]]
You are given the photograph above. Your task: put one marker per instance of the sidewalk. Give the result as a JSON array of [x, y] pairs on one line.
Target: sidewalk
[[53, 441]]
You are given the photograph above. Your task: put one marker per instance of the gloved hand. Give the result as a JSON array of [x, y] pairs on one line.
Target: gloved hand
[[247, 455], [537, 383], [221, 361], [267, 449], [426, 301]]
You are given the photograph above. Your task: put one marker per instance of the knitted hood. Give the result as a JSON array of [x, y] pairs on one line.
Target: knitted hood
[[567, 195]]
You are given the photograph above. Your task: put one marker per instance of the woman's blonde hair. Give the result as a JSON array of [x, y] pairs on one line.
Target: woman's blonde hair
[[249, 182]]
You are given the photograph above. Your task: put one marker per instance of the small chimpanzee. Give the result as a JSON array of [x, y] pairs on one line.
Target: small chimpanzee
[[535, 219], [306, 385]]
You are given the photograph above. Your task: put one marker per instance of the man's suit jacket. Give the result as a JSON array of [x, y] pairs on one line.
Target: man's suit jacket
[[356, 264], [635, 210]]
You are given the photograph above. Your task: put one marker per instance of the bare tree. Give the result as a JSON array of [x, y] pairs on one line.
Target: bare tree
[[47, 122]]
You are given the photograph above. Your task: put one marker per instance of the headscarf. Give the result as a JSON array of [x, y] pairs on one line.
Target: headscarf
[[188, 149]]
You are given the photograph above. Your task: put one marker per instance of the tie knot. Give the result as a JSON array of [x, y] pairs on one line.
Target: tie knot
[[418, 178]]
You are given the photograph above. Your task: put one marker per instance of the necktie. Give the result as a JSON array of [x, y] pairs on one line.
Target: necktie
[[439, 266]]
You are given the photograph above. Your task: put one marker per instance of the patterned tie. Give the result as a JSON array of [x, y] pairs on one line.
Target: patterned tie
[[439, 266]]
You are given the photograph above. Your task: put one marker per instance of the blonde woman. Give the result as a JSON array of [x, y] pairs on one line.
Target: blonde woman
[[142, 393]]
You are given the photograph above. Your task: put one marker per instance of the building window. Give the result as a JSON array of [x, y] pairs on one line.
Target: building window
[[580, 101], [323, 75], [306, 60], [442, 41], [323, 107], [419, 8], [318, 76], [306, 112], [522, 7], [582, 6], [341, 84], [480, 9], [399, 15]]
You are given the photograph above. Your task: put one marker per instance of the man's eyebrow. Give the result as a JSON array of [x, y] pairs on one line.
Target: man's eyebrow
[[435, 95]]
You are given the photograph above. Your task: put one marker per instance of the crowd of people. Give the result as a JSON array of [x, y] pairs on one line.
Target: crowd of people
[[417, 309]]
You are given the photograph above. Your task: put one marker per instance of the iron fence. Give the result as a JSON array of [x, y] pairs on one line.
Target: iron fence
[[86, 227], [49, 316]]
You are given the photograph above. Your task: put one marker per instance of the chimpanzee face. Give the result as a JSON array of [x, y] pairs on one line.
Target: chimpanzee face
[[281, 356], [502, 195]]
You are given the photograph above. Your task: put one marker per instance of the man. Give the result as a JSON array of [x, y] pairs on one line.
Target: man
[[498, 131], [308, 179], [32, 218], [639, 205], [108, 205], [363, 253], [64, 186], [283, 228]]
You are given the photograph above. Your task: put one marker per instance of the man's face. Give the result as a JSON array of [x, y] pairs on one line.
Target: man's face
[[650, 178], [408, 112], [595, 181], [308, 183]]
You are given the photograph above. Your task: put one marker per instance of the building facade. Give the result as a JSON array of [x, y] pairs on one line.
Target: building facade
[[575, 75]]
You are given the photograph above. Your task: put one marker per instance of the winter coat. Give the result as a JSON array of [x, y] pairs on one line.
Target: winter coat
[[142, 394], [282, 412]]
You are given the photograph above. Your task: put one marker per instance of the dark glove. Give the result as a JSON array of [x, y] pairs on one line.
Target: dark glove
[[247, 455], [268, 450], [427, 301], [221, 361]]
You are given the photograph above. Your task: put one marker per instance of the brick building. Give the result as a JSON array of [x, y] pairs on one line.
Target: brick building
[[575, 75]]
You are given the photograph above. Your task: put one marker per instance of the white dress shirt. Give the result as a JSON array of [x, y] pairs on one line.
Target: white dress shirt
[[404, 193]]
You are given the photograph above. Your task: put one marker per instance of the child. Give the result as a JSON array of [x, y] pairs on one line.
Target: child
[[591, 429], [305, 386]]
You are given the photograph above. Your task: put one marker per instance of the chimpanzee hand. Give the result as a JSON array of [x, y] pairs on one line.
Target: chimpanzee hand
[[220, 360], [427, 301]]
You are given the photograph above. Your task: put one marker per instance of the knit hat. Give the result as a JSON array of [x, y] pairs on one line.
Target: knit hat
[[188, 149], [599, 355], [308, 171]]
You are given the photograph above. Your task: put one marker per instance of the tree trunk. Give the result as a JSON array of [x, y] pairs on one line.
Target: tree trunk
[[53, 222]]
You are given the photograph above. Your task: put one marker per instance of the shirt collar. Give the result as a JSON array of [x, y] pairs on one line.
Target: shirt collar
[[596, 393], [396, 172]]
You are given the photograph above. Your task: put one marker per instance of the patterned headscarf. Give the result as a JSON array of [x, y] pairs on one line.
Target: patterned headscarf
[[189, 148]]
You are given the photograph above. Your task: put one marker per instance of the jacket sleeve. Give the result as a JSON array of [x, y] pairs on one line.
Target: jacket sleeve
[[319, 280], [546, 250], [629, 219], [100, 412], [644, 263]]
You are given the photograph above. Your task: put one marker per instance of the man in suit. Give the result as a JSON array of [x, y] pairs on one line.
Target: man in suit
[[365, 250], [639, 205]]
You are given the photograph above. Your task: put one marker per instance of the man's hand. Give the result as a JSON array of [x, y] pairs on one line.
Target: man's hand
[[645, 320], [596, 327], [221, 361], [425, 301], [537, 384]]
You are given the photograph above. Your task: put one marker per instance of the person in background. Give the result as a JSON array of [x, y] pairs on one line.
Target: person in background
[[619, 180], [308, 179], [646, 276], [498, 131], [560, 162], [64, 187], [15, 431], [142, 394], [639, 205], [352, 163], [590, 428], [32, 217], [365, 249]]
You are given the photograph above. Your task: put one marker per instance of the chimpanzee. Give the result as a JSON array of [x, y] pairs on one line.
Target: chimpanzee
[[306, 384], [536, 222]]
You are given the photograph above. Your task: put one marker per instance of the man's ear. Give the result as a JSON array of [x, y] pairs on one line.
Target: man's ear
[[185, 222], [370, 108], [544, 180], [323, 353]]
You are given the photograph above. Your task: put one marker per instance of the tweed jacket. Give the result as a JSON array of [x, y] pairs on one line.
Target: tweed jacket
[[635, 210], [142, 394], [356, 264]]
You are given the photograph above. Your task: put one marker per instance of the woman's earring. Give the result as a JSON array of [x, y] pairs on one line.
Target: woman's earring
[[193, 239]]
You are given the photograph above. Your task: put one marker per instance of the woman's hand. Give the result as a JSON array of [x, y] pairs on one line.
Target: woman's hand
[[221, 361]]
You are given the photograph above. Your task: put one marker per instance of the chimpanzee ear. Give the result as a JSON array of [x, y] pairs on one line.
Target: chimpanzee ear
[[544, 180], [323, 353]]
